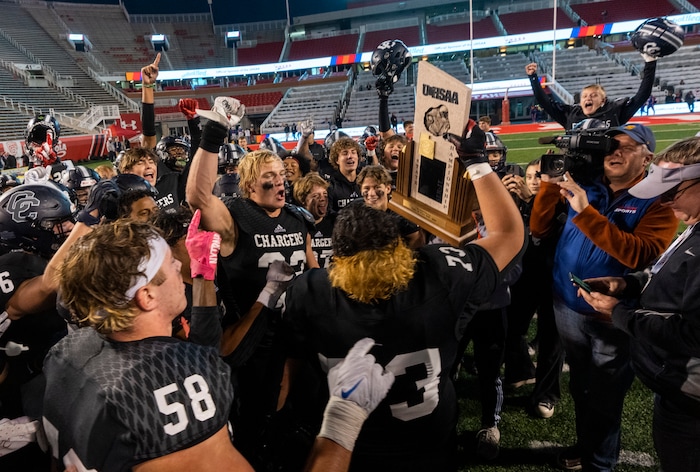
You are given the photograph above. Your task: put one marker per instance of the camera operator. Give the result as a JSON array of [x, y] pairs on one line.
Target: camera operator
[[607, 231], [593, 102]]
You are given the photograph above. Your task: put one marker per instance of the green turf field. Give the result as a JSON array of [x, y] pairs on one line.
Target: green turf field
[[523, 147]]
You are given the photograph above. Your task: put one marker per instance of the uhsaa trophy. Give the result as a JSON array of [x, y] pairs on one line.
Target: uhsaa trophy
[[432, 190]]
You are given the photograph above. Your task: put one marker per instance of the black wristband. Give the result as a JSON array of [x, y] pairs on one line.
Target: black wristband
[[213, 136], [148, 119], [384, 122]]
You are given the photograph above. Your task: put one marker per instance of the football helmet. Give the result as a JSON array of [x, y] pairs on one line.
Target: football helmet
[[229, 155], [174, 151], [331, 138], [494, 143], [132, 182], [80, 180], [272, 144], [390, 59], [658, 37], [32, 217], [42, 129]]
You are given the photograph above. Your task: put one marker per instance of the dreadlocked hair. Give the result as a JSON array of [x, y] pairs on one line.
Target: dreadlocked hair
[[374, 274]]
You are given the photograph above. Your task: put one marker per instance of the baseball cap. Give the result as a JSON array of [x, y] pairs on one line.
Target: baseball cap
[[663, 179], [639, 133]]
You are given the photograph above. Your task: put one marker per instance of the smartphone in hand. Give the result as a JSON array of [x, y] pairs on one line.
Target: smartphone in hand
[[579, 283]]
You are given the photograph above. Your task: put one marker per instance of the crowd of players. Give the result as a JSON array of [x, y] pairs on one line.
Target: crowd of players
[[191, 307]]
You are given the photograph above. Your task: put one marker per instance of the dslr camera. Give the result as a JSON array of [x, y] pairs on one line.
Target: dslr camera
[[583, 149]]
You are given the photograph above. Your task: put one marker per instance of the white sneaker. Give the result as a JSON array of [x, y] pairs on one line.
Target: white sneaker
[[488, 440], [545, 409]]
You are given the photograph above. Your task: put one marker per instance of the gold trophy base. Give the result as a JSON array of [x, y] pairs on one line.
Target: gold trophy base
[[427, 218]]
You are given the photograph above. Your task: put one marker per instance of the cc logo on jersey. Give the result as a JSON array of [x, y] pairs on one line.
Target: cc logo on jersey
[[21, 205]]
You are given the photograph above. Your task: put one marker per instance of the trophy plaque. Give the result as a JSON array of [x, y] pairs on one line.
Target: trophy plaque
[[431, 187]]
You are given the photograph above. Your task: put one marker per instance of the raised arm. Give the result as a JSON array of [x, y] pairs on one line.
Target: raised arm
[[149, 74], [502, 218], [200, 182], [556, 110]]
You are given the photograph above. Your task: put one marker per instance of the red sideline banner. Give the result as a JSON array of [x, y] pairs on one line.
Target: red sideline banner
[[84, 147]]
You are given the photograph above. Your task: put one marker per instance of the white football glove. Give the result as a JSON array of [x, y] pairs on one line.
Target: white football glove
[[37, 175], [226, 110], [17, 433], [307, 127], [357, 385], [279, 274]]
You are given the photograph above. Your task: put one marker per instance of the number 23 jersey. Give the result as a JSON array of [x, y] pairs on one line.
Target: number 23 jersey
[[114, 405], [417, 333]]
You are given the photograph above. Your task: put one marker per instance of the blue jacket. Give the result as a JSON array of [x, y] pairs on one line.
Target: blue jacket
[[577, 253]]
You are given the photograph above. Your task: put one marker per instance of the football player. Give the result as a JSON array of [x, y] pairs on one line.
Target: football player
[[35, 219], [122, 394], [375, 185], [255, 230], [312, 191], [415, 306], [344, 157]]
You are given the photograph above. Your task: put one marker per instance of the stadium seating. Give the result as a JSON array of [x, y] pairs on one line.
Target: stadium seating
[[320, 103], [409, 35], [363, 106], [459, 32], [609, 11], [262, 53], [320, 47], [537, 20]]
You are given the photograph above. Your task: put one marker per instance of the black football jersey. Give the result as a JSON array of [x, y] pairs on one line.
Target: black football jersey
[[37, 331], [342, 191], [261, 240], [113, 405], [417, 333], [168, 184], [321, 240]]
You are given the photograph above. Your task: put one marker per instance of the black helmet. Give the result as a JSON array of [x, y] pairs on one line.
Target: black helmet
[[132, 183], [272, 144], [30, 217], [658, 37], [40, 129], [80, 177], [390, 59], [229, 155], [331, 138], [174, 151], [494, 143]]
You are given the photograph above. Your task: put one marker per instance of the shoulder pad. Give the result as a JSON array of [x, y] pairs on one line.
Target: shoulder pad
[[303, 214]]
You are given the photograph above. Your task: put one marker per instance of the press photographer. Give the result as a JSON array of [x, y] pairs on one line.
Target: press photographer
[[606, 230]]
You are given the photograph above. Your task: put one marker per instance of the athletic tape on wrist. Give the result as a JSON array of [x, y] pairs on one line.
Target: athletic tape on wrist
[[342, 422], [478, 170]]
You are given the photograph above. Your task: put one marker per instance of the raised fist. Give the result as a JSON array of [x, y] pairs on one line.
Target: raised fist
[[531, 68], [371, 143], [188, 107], [470, 146], [226, 110]]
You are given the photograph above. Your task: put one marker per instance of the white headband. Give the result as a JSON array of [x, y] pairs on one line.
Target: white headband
[[149, 266]]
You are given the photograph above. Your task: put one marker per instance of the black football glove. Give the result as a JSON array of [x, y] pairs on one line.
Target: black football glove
[[471, 145], [104, 197]]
